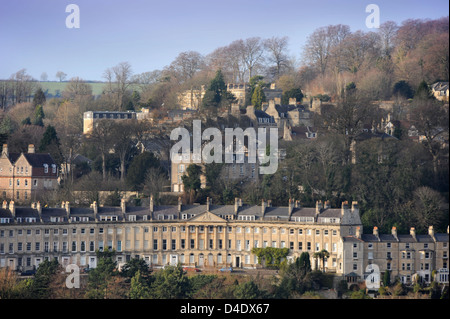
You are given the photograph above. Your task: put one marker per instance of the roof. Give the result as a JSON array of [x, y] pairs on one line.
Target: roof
[[35, 159], [39, 159]]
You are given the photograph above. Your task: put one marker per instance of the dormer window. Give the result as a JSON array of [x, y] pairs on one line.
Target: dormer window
[[53, 168], [45, 168]]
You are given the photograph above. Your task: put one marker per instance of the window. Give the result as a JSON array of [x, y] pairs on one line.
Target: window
[[74, 246], [45, 168]]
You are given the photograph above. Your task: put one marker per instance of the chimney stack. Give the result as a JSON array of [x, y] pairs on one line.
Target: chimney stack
[[375, 231], [431, 232], [67, 207], [208, 203], [263, 207], [291, 206], [358, 232], [152, 207], [355, 207], [123, 205], [39, 208], [319, 207], [344, 207], [394, 232], [297, 204], [5, 150], [412, 232], [180, 203], [236, 205], [95, 208], [31, 148], [5, 204], [12, 208]]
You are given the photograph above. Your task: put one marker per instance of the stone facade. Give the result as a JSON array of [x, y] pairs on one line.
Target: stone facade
[[215, 236], [23, 176], [193, 235], [91, 117], [405, 256]]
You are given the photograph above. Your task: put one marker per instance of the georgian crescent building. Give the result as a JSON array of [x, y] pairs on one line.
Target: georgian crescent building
[[212, 236]]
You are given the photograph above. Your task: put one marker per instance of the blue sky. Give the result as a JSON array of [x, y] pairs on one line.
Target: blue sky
[[150, 34]]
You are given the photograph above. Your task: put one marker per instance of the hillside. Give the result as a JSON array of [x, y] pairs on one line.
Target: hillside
[[54, 89]]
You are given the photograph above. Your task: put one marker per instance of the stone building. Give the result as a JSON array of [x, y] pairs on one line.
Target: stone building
[[91, 117], [405, 256], [215, 236], [193, 235], [23, 176]]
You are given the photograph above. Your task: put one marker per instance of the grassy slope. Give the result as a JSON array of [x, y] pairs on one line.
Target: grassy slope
[[51, 88]]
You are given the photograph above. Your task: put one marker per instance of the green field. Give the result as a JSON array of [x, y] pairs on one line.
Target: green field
[[54, 89]]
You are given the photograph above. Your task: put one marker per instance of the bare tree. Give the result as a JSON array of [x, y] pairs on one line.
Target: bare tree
[[387, 33], [252, 50], [124, 135], [229, 60], [118, 81], [347, 118], [22, 86], [427, 208], [277, 48], [78, 91], [61, 75], [101, 136], [323, 45], [44, 76], [432, 122], [186, 65]]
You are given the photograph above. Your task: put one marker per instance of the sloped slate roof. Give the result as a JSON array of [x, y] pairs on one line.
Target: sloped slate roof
[[39, 159]]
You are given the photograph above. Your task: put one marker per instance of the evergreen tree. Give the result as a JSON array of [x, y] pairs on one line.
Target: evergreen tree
[[292, 93], [258, 97], [138, 169], [247, 290], [403, 88], [39, 287], [423, 91], [101, 276], [191, 181], [170, 283], [39, 115], [139, 288], [217, 94], [50, 144], [39, 98]]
